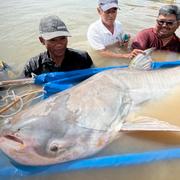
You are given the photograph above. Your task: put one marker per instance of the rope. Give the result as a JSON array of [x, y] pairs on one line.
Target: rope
[[15, 99]]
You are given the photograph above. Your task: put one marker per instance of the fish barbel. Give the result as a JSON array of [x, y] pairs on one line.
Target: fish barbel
[[80, 121]]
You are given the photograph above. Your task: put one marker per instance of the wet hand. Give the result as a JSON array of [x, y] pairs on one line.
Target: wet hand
[[135, 52]]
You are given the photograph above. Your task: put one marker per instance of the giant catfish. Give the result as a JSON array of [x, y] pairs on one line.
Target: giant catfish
[[80, 121]]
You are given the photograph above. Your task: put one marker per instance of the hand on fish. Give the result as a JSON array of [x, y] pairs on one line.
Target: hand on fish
[[135, 52]]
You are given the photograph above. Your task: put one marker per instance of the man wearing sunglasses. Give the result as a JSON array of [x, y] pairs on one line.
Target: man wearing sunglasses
[[162, 36], [107, 32]]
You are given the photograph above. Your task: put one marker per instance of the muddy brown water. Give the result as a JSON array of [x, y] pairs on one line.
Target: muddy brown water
[[19, 41]]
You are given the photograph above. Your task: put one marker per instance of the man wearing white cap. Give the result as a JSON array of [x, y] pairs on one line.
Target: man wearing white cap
[[107, 31], [53, 35]]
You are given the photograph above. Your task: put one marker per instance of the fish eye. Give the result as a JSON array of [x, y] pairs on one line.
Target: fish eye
[[55, 148]]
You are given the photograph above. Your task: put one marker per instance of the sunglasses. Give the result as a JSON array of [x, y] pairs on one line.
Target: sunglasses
[[168, 23]]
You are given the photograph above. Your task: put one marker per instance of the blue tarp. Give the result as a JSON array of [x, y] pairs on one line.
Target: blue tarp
[[59, 81], [64, 80], [167, 64], [8, 169]]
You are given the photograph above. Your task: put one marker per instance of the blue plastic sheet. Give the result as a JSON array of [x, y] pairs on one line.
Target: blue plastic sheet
[[59, 81], [71, 76], [55, 82], [8, 169], [167, 64]]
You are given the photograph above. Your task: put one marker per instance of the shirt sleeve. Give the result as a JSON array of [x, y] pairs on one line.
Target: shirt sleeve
[[94, 38], [89, 61], [140, 41], [30, 67]]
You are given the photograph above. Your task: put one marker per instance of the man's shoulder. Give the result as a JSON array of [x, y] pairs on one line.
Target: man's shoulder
[[177, 37], [118, 23], [145, 34], [143, 39], [76, 51], [81, 56], [95, 25], [78, 54], [146, 31]]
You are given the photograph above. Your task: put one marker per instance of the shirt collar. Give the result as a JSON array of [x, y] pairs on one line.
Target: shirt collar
[[46, 58], [104, 28]]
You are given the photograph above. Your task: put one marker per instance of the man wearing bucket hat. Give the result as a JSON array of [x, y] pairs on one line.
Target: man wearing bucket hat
[[162, 36], [107, 31], [53, 35]]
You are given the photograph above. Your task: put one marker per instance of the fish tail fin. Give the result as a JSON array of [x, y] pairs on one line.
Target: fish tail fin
[[148, 124], [142, 61]]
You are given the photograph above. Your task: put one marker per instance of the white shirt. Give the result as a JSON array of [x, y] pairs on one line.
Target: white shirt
[[99, 36]]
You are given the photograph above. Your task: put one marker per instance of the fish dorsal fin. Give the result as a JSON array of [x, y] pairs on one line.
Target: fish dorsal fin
[[144, 123], [142, 61]]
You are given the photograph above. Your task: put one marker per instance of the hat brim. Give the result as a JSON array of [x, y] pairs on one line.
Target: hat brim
[[51, 35], [105, 7]]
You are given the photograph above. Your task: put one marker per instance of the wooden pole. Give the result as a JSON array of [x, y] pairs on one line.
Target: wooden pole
[[16, 82]]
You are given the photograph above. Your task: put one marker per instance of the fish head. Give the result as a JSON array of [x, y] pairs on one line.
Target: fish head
[[38, 142]]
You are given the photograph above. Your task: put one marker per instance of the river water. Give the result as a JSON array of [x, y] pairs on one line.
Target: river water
[[19, 41], [20, 18]]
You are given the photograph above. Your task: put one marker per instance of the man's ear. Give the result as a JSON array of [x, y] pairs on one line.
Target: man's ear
[[98, 10], [42, 40]]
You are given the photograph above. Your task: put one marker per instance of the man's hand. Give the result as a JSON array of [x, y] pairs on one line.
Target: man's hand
[[134, 53]]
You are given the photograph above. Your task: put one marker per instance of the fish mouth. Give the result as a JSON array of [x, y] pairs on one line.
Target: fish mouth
[[14, 138]]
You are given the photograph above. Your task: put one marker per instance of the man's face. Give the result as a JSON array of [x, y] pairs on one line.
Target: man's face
[[56, 46], [108, 17], [166, 25]]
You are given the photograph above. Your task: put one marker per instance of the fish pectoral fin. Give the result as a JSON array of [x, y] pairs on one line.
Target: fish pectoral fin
[[142, 61], [144, 123]]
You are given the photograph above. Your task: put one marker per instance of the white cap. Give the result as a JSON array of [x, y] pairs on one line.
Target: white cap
[[107, 4]]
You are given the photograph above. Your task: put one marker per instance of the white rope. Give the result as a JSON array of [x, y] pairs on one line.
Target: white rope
[[33, 99], [3, 105], [19, 109], [13, 97], [4, 98]]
